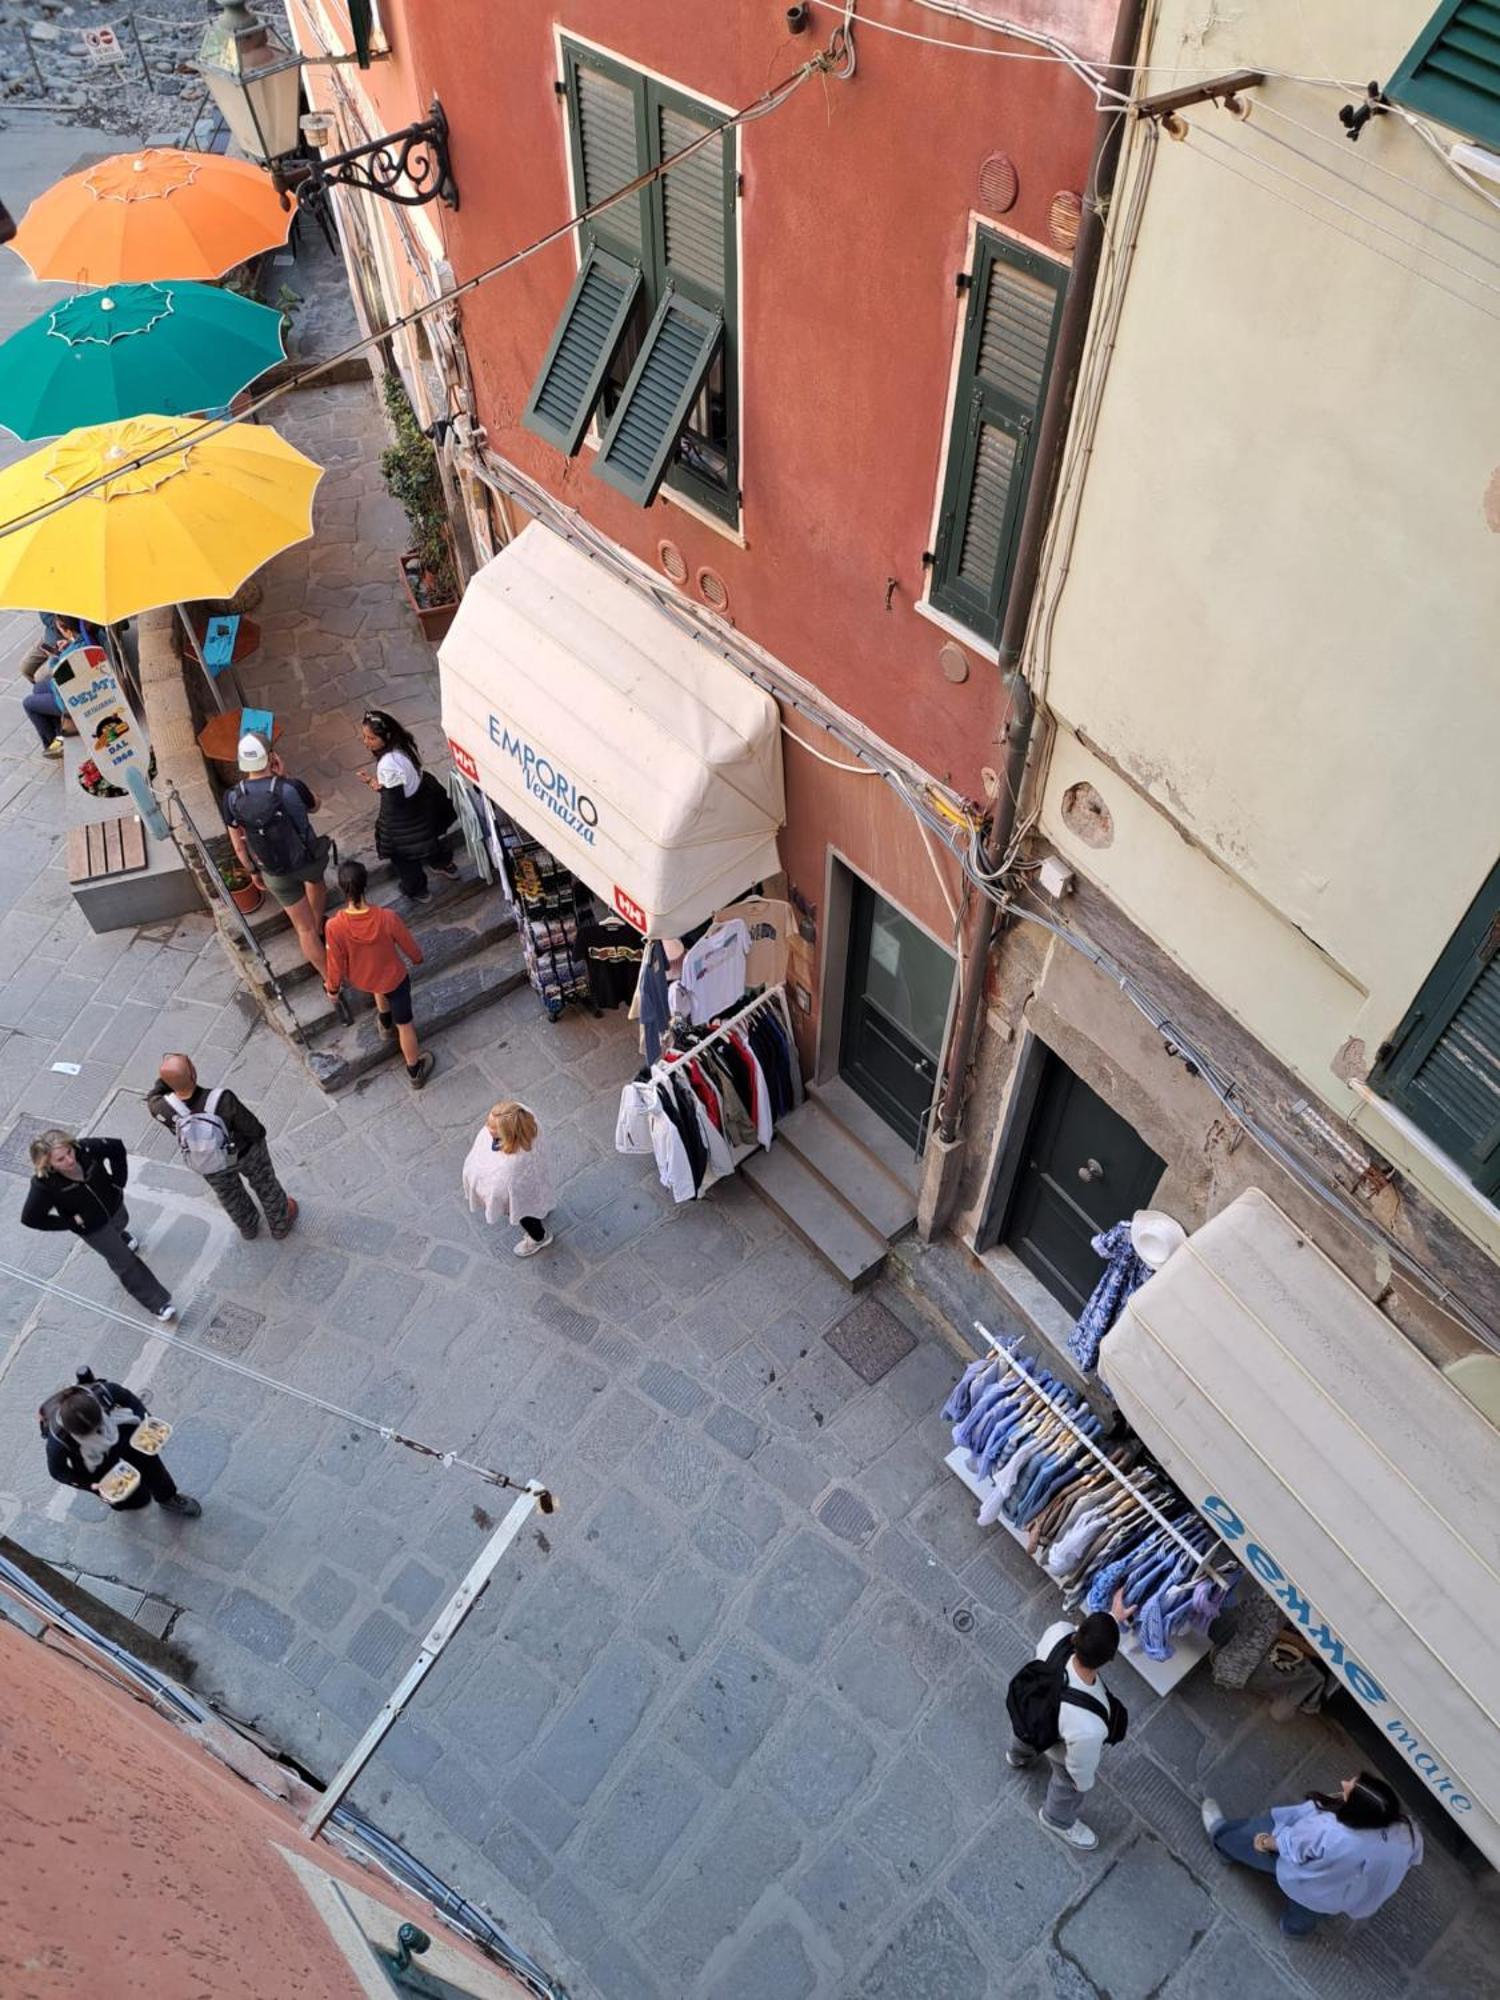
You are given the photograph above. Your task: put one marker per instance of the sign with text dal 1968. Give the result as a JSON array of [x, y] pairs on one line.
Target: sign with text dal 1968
[[116, 754]]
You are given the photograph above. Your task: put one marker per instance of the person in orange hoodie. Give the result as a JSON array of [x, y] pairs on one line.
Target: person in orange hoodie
[[370, 947]]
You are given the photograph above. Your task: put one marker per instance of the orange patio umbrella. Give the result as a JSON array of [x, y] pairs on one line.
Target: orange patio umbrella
[[161, 213]]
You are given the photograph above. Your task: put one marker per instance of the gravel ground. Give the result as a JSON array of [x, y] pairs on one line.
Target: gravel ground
[[155, 94]]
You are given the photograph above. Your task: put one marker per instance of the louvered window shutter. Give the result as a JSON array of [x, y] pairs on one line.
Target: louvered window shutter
[[680, 344], [592, 326], [608, 118], [1442, 1067], [1453, 72], [694, 204], [1015, 300]]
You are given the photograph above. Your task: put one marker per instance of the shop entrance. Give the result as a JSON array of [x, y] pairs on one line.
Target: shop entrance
[[1082, 1169], [896, 990]]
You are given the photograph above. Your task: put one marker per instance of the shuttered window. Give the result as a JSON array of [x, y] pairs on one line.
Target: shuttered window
[[1010, 330], [585, 343], [680, 234], [1442, 1065], [1453, 72]]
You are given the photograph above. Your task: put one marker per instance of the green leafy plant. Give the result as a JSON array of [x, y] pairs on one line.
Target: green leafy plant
[[410, 470]]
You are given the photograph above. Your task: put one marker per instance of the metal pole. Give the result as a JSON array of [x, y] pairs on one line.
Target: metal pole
[[36, 66], [452, 1615], [140, 49]]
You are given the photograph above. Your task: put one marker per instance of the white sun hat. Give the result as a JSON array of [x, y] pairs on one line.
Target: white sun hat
[[1154, 1236]]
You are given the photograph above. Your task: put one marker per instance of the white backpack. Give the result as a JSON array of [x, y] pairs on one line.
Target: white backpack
[[202, 1136]]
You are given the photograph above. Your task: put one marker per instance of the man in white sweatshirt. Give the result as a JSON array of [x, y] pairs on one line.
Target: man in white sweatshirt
[[1082, 1724]]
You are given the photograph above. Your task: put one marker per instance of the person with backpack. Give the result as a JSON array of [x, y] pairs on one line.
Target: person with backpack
[[1059, 1708], [219, 1139], [79, 1185], [370, 947], [415, 810], [268, 817], [89, 1429]]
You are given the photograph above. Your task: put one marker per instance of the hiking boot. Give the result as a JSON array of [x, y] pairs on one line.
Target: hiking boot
[[417, 1073], [1077, 1835], [292, 1212], [529, 1245], [185, 1505]]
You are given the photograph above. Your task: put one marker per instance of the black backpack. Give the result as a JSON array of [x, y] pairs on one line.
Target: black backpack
[[280, 843], [1036, 1694]]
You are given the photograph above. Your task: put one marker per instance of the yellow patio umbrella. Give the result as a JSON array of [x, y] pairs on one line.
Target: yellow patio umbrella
[[194, 521]]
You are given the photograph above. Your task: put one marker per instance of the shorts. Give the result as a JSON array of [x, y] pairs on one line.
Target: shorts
[[289, 889], [399, 1003]]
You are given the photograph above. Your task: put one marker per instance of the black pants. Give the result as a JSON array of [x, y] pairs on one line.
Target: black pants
[[411, 876], [156, 1482], [534, 1229], [142, 1284]]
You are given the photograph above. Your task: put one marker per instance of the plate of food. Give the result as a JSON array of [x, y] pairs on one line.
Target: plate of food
[[150, 1435], [119, 1485]]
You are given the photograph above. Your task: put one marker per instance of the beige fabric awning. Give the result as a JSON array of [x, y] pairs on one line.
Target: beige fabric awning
[[1355, 1481], [627, 747]]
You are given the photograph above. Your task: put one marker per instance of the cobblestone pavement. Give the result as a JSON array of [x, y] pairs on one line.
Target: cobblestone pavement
[[730, 1723]]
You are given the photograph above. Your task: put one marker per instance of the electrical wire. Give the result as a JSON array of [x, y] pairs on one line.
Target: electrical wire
[[241, 1368], [1340, 145], [833, 763], [771, 100]]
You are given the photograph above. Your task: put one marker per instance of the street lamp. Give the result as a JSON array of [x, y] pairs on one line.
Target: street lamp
[[256, 82]]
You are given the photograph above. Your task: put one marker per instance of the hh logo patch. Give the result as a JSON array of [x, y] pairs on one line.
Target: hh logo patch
[[630, 909], [464, 761]]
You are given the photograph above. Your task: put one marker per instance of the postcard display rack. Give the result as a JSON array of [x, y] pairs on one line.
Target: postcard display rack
[[1188, 1648], [550, 904]]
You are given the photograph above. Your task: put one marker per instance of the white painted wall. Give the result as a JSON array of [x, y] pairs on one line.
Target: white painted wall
[[1281, 620]]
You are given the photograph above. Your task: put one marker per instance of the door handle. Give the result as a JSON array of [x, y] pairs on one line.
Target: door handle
[[1091, 1171]]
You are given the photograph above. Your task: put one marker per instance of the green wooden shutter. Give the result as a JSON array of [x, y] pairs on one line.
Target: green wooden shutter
[[592, 326], [610, 151], [1014, 304], [1442, 1066], [695, 210], [1453, 71], [679, 346]]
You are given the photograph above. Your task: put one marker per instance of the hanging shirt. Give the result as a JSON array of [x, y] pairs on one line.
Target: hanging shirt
[[762, 1106], [633, 1125], [1124, 1274], [713, 972], [613, 954], [651, 999], [770, 924], [672, 1163]]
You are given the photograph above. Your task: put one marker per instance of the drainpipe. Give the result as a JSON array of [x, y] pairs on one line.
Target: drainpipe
[[1050, 438]]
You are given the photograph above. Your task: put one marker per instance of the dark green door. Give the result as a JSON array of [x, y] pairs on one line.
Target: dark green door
[[895, 1011], [1085, 1169]]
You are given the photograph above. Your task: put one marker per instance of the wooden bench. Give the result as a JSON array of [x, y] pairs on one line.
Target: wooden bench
[[106, 847]]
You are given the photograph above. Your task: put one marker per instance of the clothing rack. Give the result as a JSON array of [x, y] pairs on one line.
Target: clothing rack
[[1205, 1567], [775, 995]]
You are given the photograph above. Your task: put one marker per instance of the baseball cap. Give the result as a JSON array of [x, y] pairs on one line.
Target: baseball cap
[[253, 754]]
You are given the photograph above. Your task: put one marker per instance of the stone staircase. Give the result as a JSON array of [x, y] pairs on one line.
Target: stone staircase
[[841, 1180], [471, 957]]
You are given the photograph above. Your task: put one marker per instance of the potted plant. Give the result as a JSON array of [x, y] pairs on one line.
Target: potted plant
[[242, 891], [429, 574]]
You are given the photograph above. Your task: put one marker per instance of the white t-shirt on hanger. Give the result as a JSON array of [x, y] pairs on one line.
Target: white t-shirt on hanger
[[713, 972]]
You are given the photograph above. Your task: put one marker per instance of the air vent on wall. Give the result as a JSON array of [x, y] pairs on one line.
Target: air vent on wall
[[1063, 219], [673, 561], [713, 589], [998, 185]]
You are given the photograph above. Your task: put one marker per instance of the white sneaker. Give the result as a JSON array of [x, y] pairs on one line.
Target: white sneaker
[[131, 1242], [1018, 1763], [529, 1245], [167, 1313], [1213, 1816], [1077, 1835]]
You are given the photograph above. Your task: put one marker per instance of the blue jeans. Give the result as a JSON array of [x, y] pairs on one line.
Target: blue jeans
[[40, 704], [1235, 1840]]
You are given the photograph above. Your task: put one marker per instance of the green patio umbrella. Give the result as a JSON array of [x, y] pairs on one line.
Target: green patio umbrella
[[163, 349]]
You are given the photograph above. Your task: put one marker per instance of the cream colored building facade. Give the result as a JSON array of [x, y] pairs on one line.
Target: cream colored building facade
[[1267, 651]]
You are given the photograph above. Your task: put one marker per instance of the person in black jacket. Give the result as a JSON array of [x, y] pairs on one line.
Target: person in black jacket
[[88, 1430], [415, 810], [79, 1185], [249, 1168]]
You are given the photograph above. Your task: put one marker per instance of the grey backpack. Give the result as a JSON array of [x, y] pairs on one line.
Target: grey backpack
[[202, 1136]]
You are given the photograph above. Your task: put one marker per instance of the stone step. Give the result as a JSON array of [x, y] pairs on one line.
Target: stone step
[[887, 1148], [285, 953], [812, 1211], [849, 1169], [476, 925], [447, 994]]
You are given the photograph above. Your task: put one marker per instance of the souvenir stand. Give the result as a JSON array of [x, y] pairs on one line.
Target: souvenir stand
[[551, 905]]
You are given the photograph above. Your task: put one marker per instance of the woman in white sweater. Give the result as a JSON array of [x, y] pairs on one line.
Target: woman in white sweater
[[506, 1175]]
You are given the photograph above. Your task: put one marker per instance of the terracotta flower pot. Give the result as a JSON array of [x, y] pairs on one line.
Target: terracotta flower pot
[[248, 899], [434, 619]]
